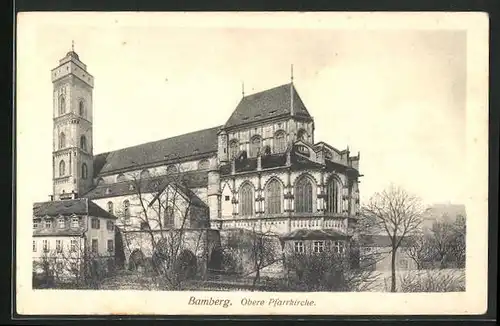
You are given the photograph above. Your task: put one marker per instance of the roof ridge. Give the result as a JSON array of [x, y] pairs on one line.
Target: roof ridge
[[159, 140]]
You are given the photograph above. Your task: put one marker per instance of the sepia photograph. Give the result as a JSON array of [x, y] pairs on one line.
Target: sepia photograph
[[243, 163]]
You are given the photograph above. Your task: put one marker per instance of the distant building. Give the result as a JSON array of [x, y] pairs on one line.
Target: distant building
[[444, 213], [376, 252]]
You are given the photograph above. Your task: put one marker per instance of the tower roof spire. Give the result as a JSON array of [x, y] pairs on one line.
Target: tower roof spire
[[72, 45], [291, 73], [243, 89], [291, 91]]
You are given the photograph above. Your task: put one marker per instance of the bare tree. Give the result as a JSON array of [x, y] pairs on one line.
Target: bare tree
[[164, 208], [395, 213], [419, 249], [264, 251], [447, 242]]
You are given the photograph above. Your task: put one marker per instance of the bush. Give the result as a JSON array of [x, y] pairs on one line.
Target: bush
[[433, 281]]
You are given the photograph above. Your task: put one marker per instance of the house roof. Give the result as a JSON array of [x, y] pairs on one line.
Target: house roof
[[267, 104], [80, 206], [195, 179], [172, 149], [307, 234], [379, 240]]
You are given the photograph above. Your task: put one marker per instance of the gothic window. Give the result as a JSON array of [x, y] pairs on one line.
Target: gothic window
[[144, 174], [273, 197], [168, 217], [203, 165], [110, 207], [246, 200], [62, 140], [126, 209], [279, 142], [171, 169], [62, 105], [233, 148], [62, 168], [84, 171], [120, 178], [81, 108], [255, 145], [332, 196], [83, 143], [303, 196], [302, 135]]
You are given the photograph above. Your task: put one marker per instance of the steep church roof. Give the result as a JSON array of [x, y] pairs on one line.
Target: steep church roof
[[80, 206], [193, 144], [267, 104]]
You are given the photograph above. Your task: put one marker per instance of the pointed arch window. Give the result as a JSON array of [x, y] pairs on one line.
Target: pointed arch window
[[279, 142], [302, 135], [62, 140], [171, 169], [246, 200], [332, 196], [145, 174], [62, 105], [203, 165], [273, 197], [120, 178], [303, 196], [233, 148], [255, 146], [84, 171], [62, 168], [81, 108], [126, 209], [110, 207], [83, 142]]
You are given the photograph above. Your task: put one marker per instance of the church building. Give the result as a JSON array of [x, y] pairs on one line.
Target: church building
[[261, 170]]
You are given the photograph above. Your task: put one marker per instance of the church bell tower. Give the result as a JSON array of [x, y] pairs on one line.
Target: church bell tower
[[72, 146]]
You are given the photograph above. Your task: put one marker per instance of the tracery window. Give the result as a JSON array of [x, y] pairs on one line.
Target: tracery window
[[279, 142], [303, 196], [332, 196], [168, 217], [255, 146], [233, 148], [246, 200], [273, 197]]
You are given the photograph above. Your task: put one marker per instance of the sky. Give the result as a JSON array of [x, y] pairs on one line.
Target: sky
[[396, 96]]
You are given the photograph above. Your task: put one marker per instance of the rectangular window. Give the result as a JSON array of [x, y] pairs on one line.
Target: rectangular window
[[75, 222], [339, 247], [74, 245], [111, 247], [318, 246], [48, 224], [95, 247], [299, 246], [58, 245], [46, 246], [226, 198], [34, 246], [61, 224], [96, 223], [110, 226]]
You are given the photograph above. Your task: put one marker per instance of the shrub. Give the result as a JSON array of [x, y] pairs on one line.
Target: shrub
[[433, 281]]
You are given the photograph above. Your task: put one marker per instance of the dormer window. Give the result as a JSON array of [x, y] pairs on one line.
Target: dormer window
[[61, 223]]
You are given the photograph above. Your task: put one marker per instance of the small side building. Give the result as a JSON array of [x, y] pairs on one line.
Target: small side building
[[65, 232], [376, 250]]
